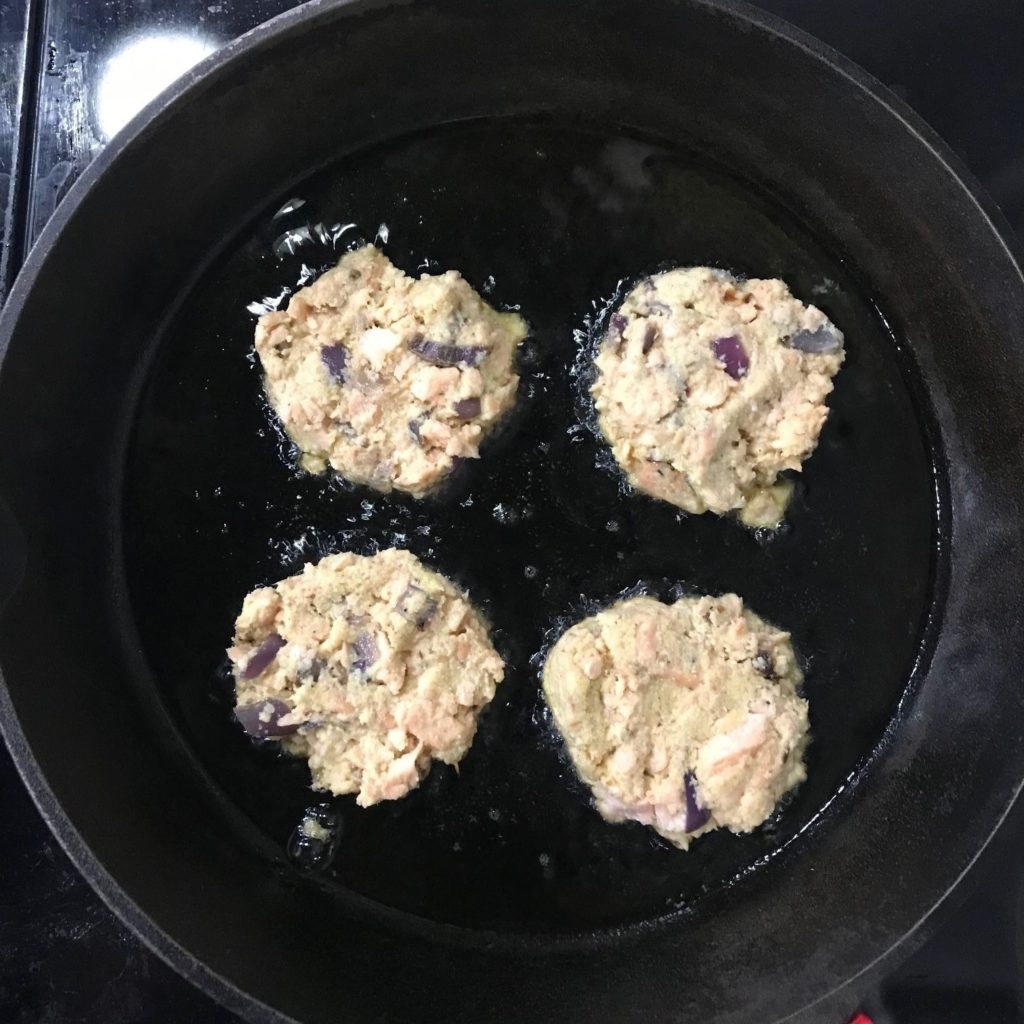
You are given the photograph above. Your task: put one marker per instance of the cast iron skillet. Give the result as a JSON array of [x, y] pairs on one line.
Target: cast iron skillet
[[553, 153]]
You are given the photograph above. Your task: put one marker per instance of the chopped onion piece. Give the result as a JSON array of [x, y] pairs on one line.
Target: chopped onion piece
[[414, 425], [439, 354], [335, 358], [696, 814], [366, 652], [263, 656], [650, 337], [467, 408], [764, 664], [820, 341], [732, 355], [263, 719], [416, 606]]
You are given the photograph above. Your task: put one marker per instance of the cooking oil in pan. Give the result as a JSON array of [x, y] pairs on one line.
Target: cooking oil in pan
[[540, 530]]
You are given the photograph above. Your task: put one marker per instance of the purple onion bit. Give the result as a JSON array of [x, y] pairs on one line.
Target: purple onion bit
[[697, 814], [335, 359], [650, 337], [263, 656], [414, 425], [263, 719], [365, 652], [617, 331], [732, 355], [617, 324], [764, 664], [314, 670], [438, 354], [467, 408], [416, 606], [820, 341]]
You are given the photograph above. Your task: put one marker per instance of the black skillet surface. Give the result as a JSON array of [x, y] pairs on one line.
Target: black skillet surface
[[586, 921], [541, 529]]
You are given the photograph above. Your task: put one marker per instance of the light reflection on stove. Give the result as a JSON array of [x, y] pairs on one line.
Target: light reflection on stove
[[142, 68]]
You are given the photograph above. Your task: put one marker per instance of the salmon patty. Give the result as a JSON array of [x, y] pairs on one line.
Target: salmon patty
[[370, 667], [707, 388], [685, 717], [388, 379]]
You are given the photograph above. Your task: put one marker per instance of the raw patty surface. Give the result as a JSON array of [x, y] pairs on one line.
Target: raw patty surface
[[707, 388], [368, 666], [386, 378], [684, 717]]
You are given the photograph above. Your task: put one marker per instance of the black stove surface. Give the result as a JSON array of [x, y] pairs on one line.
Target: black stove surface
[[73, 71]]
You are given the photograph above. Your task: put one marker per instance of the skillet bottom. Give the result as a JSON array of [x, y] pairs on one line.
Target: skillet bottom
[[539, 530]]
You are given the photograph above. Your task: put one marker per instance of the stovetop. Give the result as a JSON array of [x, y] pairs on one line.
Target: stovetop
[[73, 71]]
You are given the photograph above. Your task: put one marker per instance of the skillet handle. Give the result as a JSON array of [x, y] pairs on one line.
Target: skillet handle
[[13, 554]]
